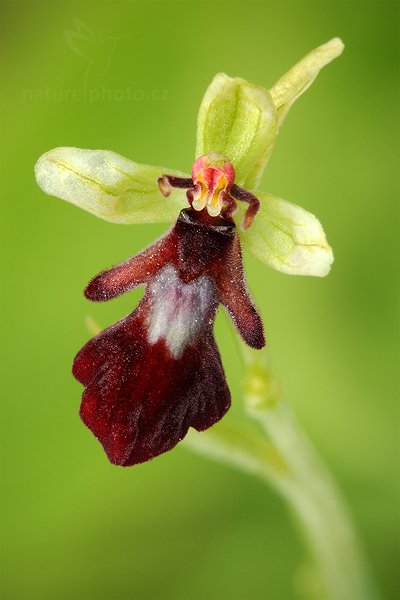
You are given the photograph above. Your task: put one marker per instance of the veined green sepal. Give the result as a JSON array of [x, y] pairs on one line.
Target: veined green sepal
[[299, 78], [239, 120], [108, 185], [288, 238]]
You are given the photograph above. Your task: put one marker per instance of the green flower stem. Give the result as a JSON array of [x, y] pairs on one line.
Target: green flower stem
[[289, 463]]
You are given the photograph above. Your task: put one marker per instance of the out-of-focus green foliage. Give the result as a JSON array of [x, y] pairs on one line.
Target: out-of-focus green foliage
[[129, 77]]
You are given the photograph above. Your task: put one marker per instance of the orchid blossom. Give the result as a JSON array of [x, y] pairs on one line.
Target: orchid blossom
[[157, 372]]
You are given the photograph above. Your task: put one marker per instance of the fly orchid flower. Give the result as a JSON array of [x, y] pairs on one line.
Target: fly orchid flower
[[157, 372]]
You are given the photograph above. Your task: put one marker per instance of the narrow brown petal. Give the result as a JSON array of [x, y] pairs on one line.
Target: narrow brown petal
[[234, 296], [132, 272]]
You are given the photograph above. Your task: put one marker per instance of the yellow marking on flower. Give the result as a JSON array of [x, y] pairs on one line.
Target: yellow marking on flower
[[213, 176]]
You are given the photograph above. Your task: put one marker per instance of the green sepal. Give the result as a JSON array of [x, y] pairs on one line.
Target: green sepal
[[108, 185]]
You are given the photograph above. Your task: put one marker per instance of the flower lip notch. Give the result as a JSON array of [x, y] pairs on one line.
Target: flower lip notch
[[154, 374]]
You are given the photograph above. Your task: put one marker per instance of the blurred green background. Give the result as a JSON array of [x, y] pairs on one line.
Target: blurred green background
[[183, 527]]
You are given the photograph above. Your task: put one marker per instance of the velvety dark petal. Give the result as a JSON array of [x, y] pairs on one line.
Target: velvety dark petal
[[140, 401], [214, 248], [204, 243], [234, 296], [158, 372], [132, 272], [105, 349]]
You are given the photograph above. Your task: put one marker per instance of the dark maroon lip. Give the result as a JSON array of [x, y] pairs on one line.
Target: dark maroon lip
[[202, 219], [158, 372]]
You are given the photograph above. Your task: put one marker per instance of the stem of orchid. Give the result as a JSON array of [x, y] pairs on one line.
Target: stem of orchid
[[290, 464]]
